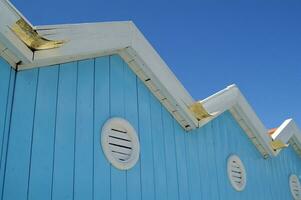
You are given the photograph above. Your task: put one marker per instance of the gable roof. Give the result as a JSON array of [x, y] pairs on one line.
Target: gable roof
[[233, 100], [91, 40], [94, 40]]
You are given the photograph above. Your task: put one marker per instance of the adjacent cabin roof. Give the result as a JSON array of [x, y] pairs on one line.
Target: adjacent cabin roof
[[25, 46], [232, 99], [271, 131]]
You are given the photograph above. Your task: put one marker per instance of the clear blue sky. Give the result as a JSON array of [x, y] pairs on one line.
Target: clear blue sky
[[209, 44]]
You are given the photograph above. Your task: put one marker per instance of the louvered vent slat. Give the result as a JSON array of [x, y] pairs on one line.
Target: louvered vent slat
[[121, 150], [236, 173], [120, 143], [295, 187]]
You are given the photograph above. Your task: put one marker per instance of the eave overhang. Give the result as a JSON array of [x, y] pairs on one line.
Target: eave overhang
[[233, 100], [84, 41]]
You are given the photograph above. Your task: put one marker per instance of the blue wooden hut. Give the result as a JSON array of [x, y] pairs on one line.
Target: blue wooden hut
[[91, 111]]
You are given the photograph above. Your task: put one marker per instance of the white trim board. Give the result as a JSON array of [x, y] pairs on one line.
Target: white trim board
[[90, 40], [97, 39], [233, 100], [289, 133], [16, 50]]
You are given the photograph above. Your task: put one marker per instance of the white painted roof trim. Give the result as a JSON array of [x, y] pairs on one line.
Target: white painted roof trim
[[91, 40], [289, 133], [14, 50], [233, 100], [123, 38]]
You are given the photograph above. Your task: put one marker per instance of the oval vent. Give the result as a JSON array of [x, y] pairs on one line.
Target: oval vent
[[236, 173], [295, 187], [120, 143]]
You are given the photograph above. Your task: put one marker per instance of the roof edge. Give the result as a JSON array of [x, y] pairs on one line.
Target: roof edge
[[233, 100], [124, 38], [288, 133], [100, 39], [15, 50]]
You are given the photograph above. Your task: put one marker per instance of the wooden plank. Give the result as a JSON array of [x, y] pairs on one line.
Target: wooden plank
[[19, 149], [5, 75], [206, 152], [250, 157], [179, 135], [158, 149], [83, 175], [208, 168], [117, 106], [43, 135], [222, 152], [63, 168], [131, 114], [6, 99], [146, 156], [206, 171], [170, 156], [102, 177], [193, 166]]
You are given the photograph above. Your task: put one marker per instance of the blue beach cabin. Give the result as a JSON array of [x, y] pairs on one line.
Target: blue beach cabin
[[91, 111]]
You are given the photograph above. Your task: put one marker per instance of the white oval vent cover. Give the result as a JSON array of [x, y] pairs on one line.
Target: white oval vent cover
[[295, 187], [120, 143], [236, 173]]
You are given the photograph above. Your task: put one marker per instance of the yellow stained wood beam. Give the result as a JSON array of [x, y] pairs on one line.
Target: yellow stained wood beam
[[32, 39], [199, 111], [278, 144]]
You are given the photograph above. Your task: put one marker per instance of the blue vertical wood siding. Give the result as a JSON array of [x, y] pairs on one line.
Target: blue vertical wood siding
[[17, 172], [53, 146], [7, 79], [42, 148], [101, 167]]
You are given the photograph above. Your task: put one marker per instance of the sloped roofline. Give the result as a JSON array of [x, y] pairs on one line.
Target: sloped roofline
[[90, 40], [83, 41], [233, 100]]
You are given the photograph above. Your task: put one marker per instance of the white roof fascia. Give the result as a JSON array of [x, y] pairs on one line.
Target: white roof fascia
[[90, 40], [288, 132], [15, 11], [17, 49], [82, 41], [103, 39], [285, 131], [232, 99], [98, 39], [8, 56]]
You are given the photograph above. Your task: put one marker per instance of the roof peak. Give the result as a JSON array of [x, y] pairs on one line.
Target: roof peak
[[124, 38]]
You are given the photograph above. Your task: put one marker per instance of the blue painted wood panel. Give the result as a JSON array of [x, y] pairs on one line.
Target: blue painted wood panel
[[117, 109], [7, 79], [20, 137], [170, 156], [65, 135], [40, 179], [53, 146], [146, 143], [158, 149], [102, 169], [83, 165], [133, 178], [182, 170]]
